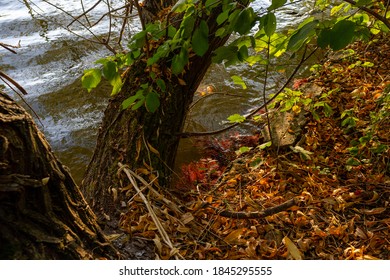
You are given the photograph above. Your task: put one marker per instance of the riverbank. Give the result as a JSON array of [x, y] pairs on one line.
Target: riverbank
[[335, 179]]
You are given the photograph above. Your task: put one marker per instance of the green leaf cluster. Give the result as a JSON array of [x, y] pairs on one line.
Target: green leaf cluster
[[147, 96]]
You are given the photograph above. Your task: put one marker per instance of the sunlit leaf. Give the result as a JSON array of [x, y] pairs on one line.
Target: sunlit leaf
[[242, 150], [236, 118], [239, 81], [265, 145], [91, 78], [116, 82]]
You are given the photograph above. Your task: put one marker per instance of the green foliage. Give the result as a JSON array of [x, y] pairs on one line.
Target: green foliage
[[275, 4], [200, 40], [236, 118], [290, 100], [159, 44], [91, 79], [239, 81], [305, 32], [339, 36], [152, 101]]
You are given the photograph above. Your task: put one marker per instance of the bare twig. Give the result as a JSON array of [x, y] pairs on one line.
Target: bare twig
[[12, 81], [10, 47]]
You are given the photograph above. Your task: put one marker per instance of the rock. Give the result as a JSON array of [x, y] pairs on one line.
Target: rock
[[286, 127]]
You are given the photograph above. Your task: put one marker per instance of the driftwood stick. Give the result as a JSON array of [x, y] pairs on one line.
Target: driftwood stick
[[261, 214]]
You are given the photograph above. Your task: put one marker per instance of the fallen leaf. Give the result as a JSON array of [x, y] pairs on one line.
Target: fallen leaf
[[292, 248], [234, 236], [186, 218], [374, 211]]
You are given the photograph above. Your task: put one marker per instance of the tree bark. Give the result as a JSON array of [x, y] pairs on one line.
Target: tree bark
[[133, 137], [43, 214]]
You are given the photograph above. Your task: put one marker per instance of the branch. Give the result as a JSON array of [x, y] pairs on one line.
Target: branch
[[254, 111], [12, 81], [262, 214], [9, 47], [371, 12]]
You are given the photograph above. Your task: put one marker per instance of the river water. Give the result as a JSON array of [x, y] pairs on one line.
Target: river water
[[50, 61]]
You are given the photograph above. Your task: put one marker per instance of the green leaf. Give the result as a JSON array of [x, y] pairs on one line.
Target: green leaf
[[110, 70], [200, 39], [182, 5], [129, 101], [116, 83], [161, 84], [337, 8], [140, 102], [269, 22], [222, 17], [276, 4], [353, 162], [91, 78], [221, 32], [360, 3], [342, 34], [210, 4], [328, 110], [179, 61], [243, 53], [242, 150], [239, 81], [236, 118], [302, 35], [187, 25], [138, 40], [226, 53], [246, 20], [152, 101], [265, 145], [324, 38], [354, 151], [379, 149]]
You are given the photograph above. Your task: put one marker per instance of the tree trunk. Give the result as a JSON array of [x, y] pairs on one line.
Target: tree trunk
[[133, 137], [43, 214]]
